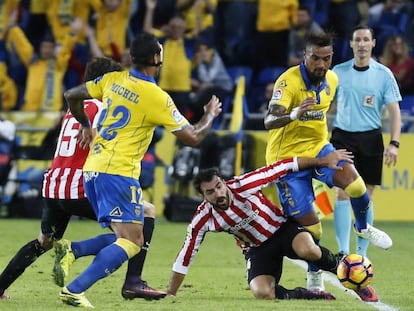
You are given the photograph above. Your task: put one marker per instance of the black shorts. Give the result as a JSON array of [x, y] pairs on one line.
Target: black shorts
[[57, 213], [267, 259], [368, 150]]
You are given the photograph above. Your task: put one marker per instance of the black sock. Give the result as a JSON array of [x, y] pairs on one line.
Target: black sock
[[136, 263], [23, 258], [328, 261]]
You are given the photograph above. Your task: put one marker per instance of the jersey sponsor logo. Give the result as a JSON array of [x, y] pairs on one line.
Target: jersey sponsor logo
[[241, 224], [312, 115], [277, 94], [177, 116], [318, 173], [116, 212], [369, 101]]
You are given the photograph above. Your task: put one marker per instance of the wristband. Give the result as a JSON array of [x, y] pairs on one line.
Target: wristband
[[395, 143], [85, 124], [294, 113]]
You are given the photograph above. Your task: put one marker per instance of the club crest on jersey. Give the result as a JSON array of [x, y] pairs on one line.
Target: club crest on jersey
[[177, 116], [116, 212], [277, 94], [328, 90]]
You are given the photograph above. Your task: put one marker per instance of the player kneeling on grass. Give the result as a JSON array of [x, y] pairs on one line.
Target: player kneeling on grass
[[238, 207]]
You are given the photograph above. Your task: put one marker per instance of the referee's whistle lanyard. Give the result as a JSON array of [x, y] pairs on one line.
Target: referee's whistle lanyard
[[309, 85]]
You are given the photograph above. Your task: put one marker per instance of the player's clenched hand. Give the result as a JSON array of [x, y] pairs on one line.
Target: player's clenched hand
[[85, 137], [338, 155], [306, 106]]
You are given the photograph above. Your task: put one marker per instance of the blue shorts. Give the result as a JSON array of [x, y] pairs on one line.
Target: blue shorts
[[114, 198], [295, 189]]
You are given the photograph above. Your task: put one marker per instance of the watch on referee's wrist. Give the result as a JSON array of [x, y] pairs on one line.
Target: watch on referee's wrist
[[395, 143]]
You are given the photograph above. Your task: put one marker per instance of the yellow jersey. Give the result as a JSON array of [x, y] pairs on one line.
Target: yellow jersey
[[133, 106], [307, 135]]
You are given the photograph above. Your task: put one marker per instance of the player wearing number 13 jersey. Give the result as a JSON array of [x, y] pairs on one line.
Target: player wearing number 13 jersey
[[64, 179]]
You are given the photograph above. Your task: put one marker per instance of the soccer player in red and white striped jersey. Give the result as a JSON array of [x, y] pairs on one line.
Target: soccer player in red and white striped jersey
[[238, 207]]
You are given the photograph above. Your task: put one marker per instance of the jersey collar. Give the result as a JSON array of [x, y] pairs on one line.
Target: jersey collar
[[309, 85], [139, 75]]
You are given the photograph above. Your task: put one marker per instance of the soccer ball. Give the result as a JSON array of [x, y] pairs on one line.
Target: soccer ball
[[355, 271]]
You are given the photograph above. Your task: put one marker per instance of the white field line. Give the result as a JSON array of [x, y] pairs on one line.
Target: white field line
[[335, 282]]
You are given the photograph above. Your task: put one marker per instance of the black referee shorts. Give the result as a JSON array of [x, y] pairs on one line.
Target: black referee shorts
[[57, 213], [368, 150]]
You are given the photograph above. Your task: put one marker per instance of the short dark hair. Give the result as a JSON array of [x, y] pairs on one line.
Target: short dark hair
[[142, 50], [319, 39], [99, 66], [205, 175], [361, 27]]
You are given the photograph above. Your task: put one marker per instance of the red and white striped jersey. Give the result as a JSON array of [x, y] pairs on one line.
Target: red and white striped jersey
[[251, 217], [64, 179]]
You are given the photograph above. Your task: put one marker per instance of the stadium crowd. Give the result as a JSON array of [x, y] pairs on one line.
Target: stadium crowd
[[45, 45]]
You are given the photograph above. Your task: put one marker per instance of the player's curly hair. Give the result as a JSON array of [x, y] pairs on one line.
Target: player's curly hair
[[142, 50], [99, 66], [205, 175]]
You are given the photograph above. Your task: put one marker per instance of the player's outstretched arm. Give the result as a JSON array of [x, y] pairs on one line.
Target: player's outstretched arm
[[175, 282], [194, 134], [331, 160]]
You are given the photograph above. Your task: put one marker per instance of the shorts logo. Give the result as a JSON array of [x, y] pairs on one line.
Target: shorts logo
[[277, 94], [177, 116], [116, 212]]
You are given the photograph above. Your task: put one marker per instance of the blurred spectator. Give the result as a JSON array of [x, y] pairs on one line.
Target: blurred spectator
[[7, 8], [234, 30], [210, 77], [396, 57], [43, 90], [305, 24], [340, 11], [178, 52], [199, 17], [112, 21], [37, 24], [8, 90], [274, 21]]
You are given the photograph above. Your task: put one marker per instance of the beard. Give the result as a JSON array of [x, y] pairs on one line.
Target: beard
[[222, 202], [317, 76]]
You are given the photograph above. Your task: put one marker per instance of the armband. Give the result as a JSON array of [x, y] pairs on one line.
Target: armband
[[294, 113], [395, 143]]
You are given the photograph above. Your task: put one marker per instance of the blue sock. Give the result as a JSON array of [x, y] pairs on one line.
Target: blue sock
[[362, 244], [343, 222], [360, 206], [92, 246], [106, 261]]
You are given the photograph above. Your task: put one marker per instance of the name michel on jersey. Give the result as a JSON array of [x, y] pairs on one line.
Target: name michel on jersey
[[125, 93]]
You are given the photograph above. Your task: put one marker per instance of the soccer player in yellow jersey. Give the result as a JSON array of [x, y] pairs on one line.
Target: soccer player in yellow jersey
[[133, 106], [297, 122]]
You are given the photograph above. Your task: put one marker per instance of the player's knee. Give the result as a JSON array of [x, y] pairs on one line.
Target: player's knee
[[356, 189], [315, 230], [264, 292], [149, 209]]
